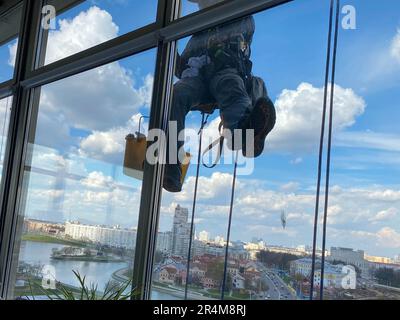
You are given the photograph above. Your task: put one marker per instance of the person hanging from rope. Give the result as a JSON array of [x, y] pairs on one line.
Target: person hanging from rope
[[215, 67]]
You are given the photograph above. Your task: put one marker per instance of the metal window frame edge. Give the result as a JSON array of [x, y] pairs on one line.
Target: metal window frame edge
[[151, 188], [13, 166]]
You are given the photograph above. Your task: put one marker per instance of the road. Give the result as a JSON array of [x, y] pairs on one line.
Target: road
[[278, 290]]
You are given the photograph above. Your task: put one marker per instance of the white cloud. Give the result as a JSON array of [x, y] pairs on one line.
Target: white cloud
[[5, 106], [290, 186], [109, 145], [368, 139], [388, 237], [395, 47], [211, 188], [84, 31], [100, 102], [87, 29], [47, 194], [296, 161], [385, 195], [12, 48], [299, 114], [384, 215], [97, 179], [99, 99]]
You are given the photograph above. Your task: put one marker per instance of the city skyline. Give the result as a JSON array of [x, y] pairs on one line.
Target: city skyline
[[219, 240]]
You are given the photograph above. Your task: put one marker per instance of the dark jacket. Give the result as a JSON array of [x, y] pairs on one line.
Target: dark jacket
[[198, 44]]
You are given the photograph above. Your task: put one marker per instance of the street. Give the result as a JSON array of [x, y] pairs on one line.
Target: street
[[278, 290]]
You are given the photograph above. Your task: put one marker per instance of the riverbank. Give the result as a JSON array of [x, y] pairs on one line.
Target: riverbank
[[52, 240], [88, 259]]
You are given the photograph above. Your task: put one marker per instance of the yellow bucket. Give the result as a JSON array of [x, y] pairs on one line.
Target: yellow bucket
[[135, 155]]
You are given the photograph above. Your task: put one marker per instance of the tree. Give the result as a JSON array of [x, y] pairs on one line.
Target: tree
[[215, 270], [277, 259], [388, 277], [228, 283]]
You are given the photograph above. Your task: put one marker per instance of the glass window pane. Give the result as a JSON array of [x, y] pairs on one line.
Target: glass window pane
[[191, 6], [80, 25], [5, 110], [10, 21], [364, 219], [80, 203], [273, 211]]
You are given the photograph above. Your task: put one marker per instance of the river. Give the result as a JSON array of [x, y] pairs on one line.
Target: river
[[98, 273]]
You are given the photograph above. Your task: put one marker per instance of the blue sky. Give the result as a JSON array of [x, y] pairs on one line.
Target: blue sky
[[289, 51]]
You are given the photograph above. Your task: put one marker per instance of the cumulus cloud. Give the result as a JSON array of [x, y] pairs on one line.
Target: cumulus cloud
[[97, 179], [355, 215], [299, 114], [98, 99], [12, 48], [395, 47], [109, 145], [100, 102], [385, 195], [47, 194], [86, 30], [388, 237], [213, 187], [384, 215], [290, 186], [357, 207]]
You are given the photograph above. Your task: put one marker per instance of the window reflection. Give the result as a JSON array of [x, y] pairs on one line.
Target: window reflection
[[5, 110], [80, 25], [79, 209], [10, 20], [191, 6]]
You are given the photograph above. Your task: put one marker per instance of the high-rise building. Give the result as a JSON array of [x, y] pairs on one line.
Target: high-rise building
[[352, 257], [111, 236], [219, 240], [164, 241], [204, 236], [180, 232]]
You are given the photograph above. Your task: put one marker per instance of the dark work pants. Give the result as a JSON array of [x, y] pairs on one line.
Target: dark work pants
[[226, 87]]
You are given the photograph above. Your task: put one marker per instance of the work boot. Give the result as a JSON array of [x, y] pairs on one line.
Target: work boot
[[172, 178], [262, 120]]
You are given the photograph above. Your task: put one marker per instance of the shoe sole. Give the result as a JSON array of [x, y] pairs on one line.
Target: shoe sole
[[170, 186], [264, 112]]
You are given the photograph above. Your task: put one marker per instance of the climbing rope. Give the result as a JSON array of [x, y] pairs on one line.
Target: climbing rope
[[204, 121], [201, 157], [228, 237], [328, 159], [321, 148]]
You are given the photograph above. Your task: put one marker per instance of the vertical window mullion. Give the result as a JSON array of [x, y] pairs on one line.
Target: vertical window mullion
[[16, 141], [151, 190]]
